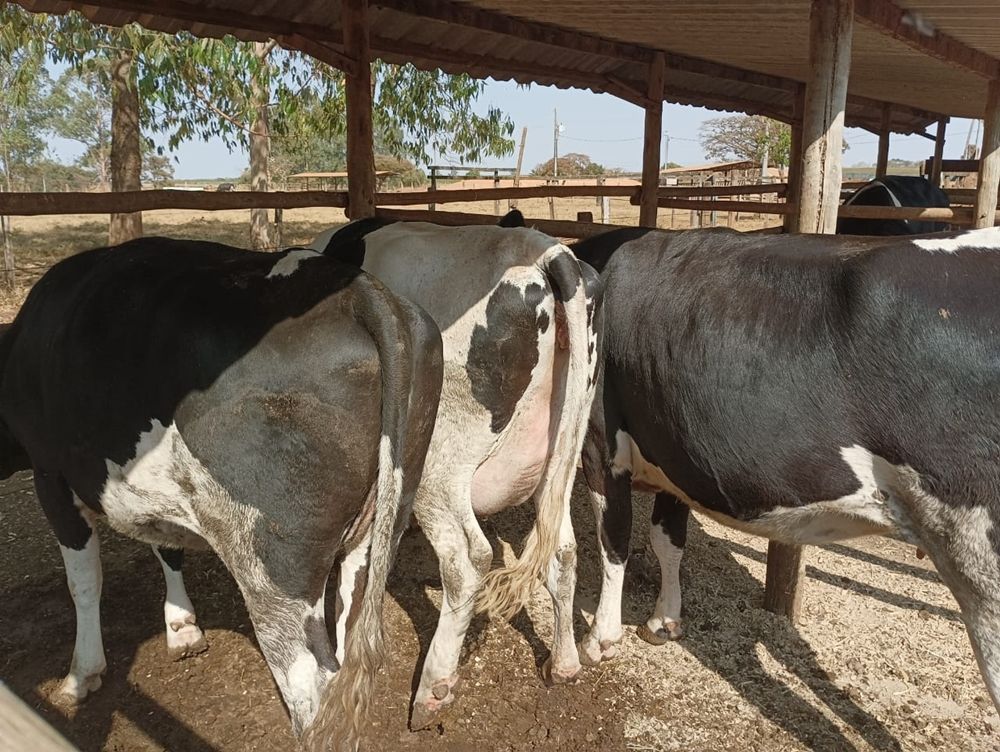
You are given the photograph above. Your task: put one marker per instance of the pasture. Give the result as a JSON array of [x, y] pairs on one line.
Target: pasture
[[880, 661]]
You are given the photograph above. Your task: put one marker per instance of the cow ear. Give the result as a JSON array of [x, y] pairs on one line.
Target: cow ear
[[513, 218]]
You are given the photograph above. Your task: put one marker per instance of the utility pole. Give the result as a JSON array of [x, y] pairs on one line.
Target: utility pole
[[666, 149], [555, 143]]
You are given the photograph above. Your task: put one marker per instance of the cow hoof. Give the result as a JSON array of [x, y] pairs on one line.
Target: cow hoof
[[554, 678], [667, 633], [74, 689], [428, 713], [185, 642], [592, 652]]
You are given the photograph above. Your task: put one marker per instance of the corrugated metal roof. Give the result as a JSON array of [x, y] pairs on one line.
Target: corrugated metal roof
[[736, 55]]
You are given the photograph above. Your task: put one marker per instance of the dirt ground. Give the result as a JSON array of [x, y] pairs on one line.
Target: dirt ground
[[880, 660]]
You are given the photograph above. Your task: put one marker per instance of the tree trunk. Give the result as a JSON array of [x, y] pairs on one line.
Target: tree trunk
[[126, 152], [260, 150]]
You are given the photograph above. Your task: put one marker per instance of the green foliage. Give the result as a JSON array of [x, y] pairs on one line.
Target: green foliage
[[82, 113], [201, 88], [571, 166], [746, 137], [24, 113]]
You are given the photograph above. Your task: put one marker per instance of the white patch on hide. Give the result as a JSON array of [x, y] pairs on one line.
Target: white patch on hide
[[290, 262], [985, 238]]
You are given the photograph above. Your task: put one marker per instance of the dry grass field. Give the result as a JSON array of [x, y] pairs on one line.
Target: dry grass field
[[879, 662]]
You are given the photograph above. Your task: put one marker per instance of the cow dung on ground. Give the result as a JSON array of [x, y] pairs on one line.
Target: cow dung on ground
[[880, 661]]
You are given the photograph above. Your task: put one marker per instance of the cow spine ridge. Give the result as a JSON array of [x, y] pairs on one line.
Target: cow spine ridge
[[346, 700], [506, 590]]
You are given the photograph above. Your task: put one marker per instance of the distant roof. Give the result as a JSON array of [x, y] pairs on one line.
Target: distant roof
[[740, 164], [378, 174]]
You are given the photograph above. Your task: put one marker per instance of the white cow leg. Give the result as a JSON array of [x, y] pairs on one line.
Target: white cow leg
[[464, 555], [184, 638], [614, 531], [83, 574], [668, 534], [81, 553], [564, 663]]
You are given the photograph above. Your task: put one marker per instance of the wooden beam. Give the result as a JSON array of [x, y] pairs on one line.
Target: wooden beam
[[831, 26], [793, 193], [462, 195], [32, 204], [471, 16], [785, 568], [652, 135], [558, 228], [21, 728], [358, 94], [901, 24], [319, 50], [989, 163], [938, 152], [703, 205], [694, 191], [882, 163]]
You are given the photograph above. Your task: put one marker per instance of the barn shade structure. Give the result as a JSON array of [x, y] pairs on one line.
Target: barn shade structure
[[902, 66]]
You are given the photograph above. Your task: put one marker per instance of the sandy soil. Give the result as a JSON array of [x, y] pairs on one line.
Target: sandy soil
[[880, 661]]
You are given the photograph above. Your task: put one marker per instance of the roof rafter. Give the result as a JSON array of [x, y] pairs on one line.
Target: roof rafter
[[904, 25]]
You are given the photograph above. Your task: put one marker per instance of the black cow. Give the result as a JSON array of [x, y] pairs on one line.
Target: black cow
[[276, 407], [895, 190], [804, 388]]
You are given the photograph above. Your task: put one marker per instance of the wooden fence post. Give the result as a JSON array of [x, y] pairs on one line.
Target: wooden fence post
[[831, 26], [358, 91], [652, 135], [942, 128], [882, 165], [792, 193], [989, 164]]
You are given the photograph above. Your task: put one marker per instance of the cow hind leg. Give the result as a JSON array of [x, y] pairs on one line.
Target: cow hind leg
[[292, 635], [668, 534], [81, 553], [612, 503], [564, 663], [184, 638], [464, 555]]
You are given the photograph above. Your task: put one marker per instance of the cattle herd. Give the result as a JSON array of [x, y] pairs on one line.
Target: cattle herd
[[291, 410]]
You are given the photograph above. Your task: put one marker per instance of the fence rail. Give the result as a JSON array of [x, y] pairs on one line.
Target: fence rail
[[695, 198]]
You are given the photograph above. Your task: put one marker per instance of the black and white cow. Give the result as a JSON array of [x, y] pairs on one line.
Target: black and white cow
[[277, 408], [803, 388], [516, 313], [895, 190]]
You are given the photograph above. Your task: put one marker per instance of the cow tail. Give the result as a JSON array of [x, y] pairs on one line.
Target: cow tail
[[409, 347], [507, 589]]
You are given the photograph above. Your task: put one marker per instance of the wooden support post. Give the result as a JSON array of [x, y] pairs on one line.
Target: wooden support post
[[831, 26], [938, 152], [793, 192], [785, 567], [882, 165], [358, 91], [989, 163], [652, 135]]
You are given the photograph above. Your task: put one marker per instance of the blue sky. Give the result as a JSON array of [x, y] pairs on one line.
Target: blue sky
[[600, 125]]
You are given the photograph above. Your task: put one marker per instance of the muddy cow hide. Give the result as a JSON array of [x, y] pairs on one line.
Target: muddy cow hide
[[518, 320], [276, 407], [806, 389], [895, 190]]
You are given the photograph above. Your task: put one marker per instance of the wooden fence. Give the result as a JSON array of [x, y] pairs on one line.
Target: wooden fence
[[696, 199]]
